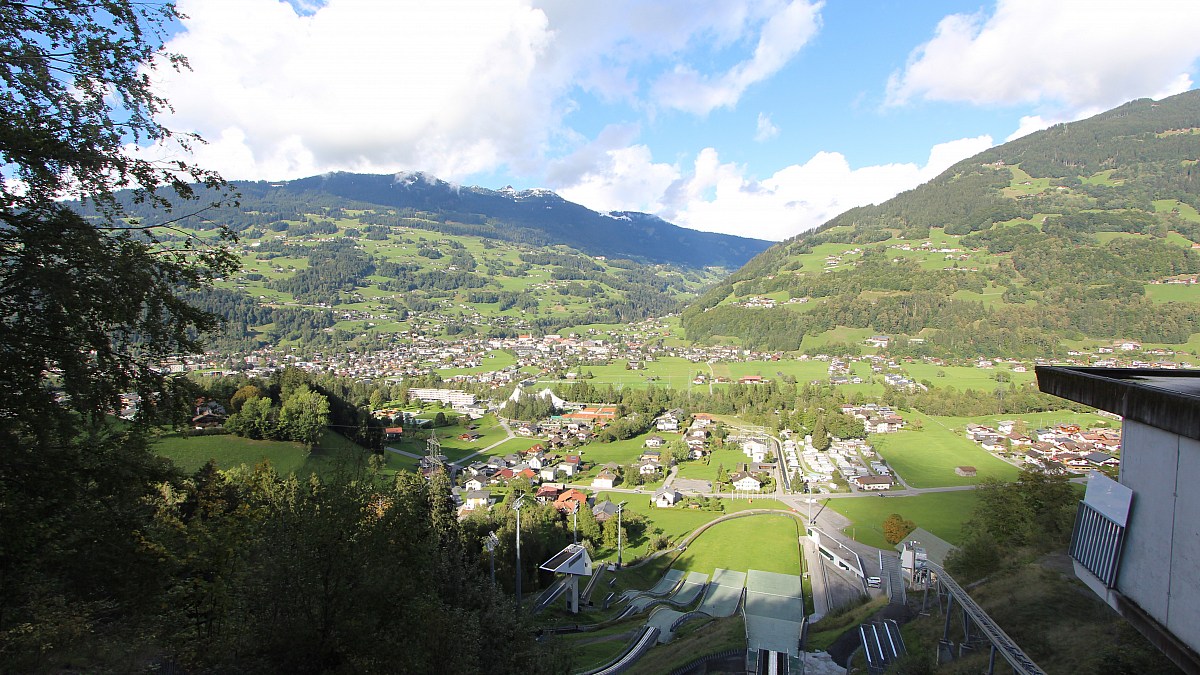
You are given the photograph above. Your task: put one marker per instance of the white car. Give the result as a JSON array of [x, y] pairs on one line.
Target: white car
[[874, 582]]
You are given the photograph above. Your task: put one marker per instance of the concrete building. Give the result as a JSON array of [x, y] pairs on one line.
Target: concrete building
[[1136, 542]]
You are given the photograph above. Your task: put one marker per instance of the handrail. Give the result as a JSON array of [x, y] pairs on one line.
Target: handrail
[[648, 637], [684, 618], [1004, 644]]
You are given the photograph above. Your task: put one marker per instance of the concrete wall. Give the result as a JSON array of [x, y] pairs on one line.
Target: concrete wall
[[1160, 568]]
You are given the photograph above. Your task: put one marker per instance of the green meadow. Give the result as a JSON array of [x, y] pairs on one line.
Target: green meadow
[[678, 521], [763, 542], [942, 513], [927, 458], [333, 454]]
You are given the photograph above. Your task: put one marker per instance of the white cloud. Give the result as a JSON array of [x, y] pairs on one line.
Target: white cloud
[[608, 175], [723, 197], [1079, 54], [766, 129], [453, 87], [782, 37]]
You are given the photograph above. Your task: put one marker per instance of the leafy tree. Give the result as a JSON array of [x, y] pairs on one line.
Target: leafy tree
[[258, 419], [242, 395], [896, 528], [89, 310], [679, 451], [304, 415]]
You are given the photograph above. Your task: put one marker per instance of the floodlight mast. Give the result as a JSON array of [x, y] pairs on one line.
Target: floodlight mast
[[575, 527], [517, 508], [620, 507]]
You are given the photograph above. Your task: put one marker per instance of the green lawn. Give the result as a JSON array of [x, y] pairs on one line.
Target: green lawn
[[672, 372], [942, 513], [674, 522], [1173, 292], [766, 542], [803, 371], [965, 377], [623, 452], [335, 453], [728, 457], [927, 458]]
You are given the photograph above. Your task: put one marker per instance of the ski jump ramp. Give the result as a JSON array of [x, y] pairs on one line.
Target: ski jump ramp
[[774, 611]]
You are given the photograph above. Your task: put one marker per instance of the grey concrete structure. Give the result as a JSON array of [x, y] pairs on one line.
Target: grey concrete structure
[[1137, 541]]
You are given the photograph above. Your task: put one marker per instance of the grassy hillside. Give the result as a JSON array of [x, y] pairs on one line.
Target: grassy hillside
[[1082, 234], [330, 276]]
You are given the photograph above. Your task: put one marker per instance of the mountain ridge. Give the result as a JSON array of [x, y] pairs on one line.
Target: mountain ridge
[[627, 234]]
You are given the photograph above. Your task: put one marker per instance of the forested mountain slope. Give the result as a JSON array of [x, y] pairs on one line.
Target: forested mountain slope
[[531, 217], [1081, 234]]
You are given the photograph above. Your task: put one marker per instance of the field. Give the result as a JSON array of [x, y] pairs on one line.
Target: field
[[675, 522], [927, 458], [767, 543], [334, 454], [965, 377], [1173, 292], [942, 513], [672, 372]]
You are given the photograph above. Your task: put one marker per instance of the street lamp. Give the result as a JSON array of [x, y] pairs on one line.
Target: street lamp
[[490, 544], [517, 508], [575, 525]]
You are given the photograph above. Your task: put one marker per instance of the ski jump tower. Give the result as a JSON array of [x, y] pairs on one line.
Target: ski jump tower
[[574, 562]]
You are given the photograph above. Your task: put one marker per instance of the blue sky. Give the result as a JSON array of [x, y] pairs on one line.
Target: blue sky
[[763, 118]]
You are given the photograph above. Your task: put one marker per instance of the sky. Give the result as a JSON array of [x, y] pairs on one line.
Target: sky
[[761, 118]]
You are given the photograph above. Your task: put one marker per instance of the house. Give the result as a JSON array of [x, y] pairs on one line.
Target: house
[[547, 494], [873, 482], [667, 423], [965, 470], [478, 499], [745, 482], [755, 450], [666, 497], [604, 480], [567, 469], [210, 406], [649, 468], [701, 420], [1102, 459], [569, 500], [547, 473], [207, 420], [473, 484], [393, 433], [651, 456], [654, 441], [604, 510], [992, 443]]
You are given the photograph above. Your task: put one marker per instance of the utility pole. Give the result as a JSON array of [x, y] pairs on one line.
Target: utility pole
[[517, 508]]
